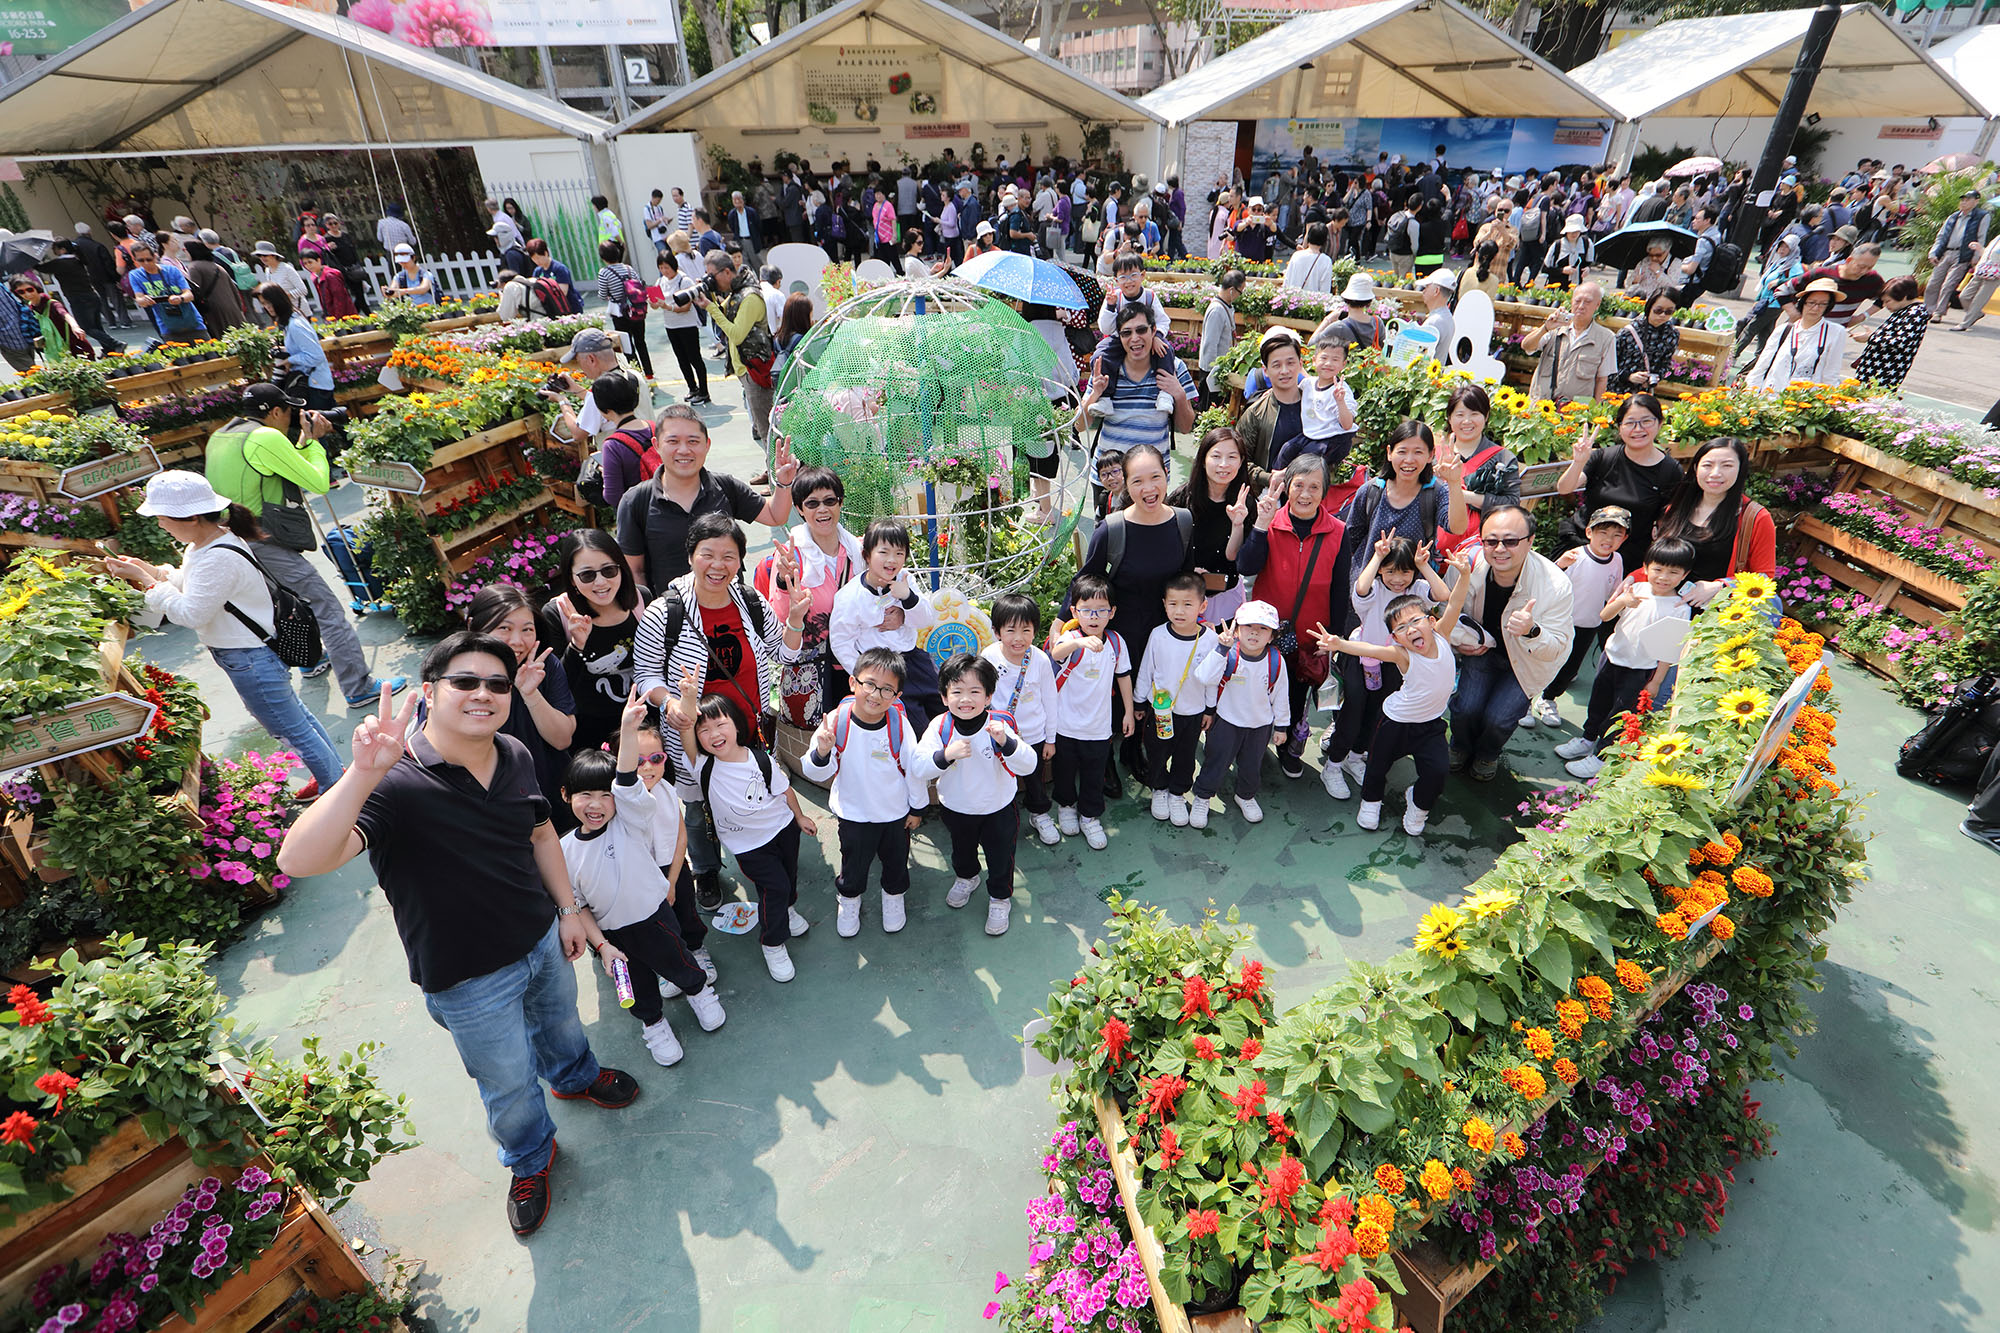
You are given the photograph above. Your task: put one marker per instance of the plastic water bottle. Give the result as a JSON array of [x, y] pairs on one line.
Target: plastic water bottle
[[621, 981], [1163, 712]]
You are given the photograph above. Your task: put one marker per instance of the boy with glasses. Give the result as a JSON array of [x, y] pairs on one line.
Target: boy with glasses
[[862, 754]]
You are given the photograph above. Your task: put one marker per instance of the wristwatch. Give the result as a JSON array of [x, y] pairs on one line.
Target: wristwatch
[[571, 910]]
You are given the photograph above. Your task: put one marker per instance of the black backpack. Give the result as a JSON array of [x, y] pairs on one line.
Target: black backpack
[[1725, 268], [294, 632], [1953, 746]]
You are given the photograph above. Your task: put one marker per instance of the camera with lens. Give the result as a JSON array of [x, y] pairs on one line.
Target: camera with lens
[[708, 285], [335, 416]]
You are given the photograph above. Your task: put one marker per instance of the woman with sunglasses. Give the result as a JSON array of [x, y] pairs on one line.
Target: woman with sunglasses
[[820, 557], [594, 612]]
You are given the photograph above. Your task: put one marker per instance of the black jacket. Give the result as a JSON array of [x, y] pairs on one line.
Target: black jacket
[[96, 257]]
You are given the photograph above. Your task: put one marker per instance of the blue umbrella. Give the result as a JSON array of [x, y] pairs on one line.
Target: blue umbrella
[[1022, 277]]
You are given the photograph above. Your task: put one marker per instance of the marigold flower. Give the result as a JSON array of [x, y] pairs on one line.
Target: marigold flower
[[1514, 1146], [1463, 1179], [1750, 880], [1436, 1180], [1567, 1071], [1722, 928], [29, 1006], [1735, 845], [1540, 1043], [1389, 1177], [1379, 1210], [1371, 1240], [1478, 1134], [1526, 1080], [1714, 853], [1632, 977], [1203, 1222], [1593, 988], [1570, 1016], [19, 1128], [1672, 926]]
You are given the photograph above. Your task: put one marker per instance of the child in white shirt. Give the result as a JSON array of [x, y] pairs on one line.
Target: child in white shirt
[[1413, 716], [864, 750], [977, 761], [881, 610], [1091, 660], [614, 872], [756, 816], [1327, 412], [1398, 567], [1629, 666], [1253, 699], [670, 842], [1026, 698], [1595, 571], [1181, 700]]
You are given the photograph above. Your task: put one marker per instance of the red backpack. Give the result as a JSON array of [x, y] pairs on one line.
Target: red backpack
[[639, 439], [551, 296]]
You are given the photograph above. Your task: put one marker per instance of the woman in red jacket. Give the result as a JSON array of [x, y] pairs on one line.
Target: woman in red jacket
[[1732, 534], [1292, 549]]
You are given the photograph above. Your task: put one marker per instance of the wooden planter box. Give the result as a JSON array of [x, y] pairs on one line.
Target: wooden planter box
[[24, 540], [177, 379], [1901, 585], [41, 402]]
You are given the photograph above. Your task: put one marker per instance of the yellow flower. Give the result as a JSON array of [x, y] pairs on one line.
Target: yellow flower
[[1665, 749], [1438, 932], [1741, 660], [1734, 614], [1754, 588], [1736, 641], [1662, 777], [1489, 903], [1744, 706]]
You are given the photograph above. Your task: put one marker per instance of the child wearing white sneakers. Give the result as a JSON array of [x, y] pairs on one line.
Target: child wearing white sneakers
[[1630, 664], [670, 841], [977, 761], [862, 752], [881, 610], [1413, 717], [1398, 566], [1253, 700], [1091, 660], [614, 871], [1180, 700], [1025, 698], [1595, 571]]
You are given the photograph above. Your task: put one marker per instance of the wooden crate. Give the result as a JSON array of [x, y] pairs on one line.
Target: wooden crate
[[41, 402]]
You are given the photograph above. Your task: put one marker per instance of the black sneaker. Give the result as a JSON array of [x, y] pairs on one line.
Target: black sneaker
[[708, 891], [1291, 764], [528, 1198], [1457, 760], [612, 1089]]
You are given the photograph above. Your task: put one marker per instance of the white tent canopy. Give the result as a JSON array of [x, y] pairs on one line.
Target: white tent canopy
[[1392, 58], [1973, 58], [240, 75], [1739, 64], [988, 77]]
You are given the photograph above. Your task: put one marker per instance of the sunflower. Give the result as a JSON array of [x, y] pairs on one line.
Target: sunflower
[[1734, 642], [1665, 749], [1489, 903], [1754, 589], [1740, 660], [1744, 706], [1438, 932], [1660, 777], [1736, 613]]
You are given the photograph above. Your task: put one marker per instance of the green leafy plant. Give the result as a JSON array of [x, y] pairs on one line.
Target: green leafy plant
[[415, 583], [53, 619], [329, 1122]]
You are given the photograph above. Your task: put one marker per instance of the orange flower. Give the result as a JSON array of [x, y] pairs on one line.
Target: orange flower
[[1539, 1043], [1570, 1017], [1371, 1240], [1722, 928], [1672, 926], [1436, 1180], [1756, 883], [1708, 879], [1389, 1177], [1514, 1146], [1374, 1208], [1594, 988], [1478, 1134], [1716, 854], [1567, 1071], [1526, 1080], [1632, 977], [1462, 1178]]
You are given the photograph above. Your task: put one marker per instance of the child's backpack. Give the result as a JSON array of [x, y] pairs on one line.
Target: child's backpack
[[639, 439], [1063, 672], [843, 725], [762, 756], [1234, 659]]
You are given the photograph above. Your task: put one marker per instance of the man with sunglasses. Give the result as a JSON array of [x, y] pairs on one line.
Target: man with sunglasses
[[654, 518], [1513, 637], [457, 830]]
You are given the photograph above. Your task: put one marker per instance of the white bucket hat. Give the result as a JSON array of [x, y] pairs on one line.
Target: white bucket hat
[[1360, 287], [180, 494]]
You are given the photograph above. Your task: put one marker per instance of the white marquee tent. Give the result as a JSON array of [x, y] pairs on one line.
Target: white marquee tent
[[1973, 58]]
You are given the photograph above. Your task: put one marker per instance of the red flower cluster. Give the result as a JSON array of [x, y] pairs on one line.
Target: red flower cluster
[[1248, 1100], [1251, 984], [1355, 1312], [56, 1084], [1195, 998], [1170, 1149], [1161, 1094], [1281, 1182], [1115, 1034], [1204, 1048], [1336, 1243], [1279, 1131], [29, 1006], [1203, 1222], [1338, 1210], [1252, 1049], [19, 1128]]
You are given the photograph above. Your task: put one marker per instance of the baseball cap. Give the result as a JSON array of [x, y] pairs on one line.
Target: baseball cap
[[262, 398], [1610, 514], [1257, 613], [1439, 277], [588, 342]]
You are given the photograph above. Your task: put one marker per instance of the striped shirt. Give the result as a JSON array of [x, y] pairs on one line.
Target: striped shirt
[[1136, 417]]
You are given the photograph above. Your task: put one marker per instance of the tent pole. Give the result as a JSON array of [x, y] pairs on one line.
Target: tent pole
[[1785, 124]]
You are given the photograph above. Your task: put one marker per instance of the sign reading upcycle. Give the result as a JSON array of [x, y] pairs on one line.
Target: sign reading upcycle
[[873, 85]]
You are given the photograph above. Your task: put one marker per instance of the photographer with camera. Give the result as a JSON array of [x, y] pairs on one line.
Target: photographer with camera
[[267, 460], [591, 354], [680, 277], [737, 307]]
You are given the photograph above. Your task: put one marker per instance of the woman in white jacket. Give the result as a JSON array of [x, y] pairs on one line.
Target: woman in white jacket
[[1811, 348], [678, 315]]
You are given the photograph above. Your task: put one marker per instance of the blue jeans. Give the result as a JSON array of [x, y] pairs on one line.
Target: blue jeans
[[704, 852], [513, 1028], [265, 686], [1488, 704]]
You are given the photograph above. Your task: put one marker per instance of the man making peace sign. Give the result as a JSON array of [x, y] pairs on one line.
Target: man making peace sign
[[1513, 636]]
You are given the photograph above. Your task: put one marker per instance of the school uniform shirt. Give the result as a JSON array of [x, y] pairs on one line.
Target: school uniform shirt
[[869, 779], [856, 623], [1623, 647], [746, 812], [1168, 664], [1027, 691], [1084, 682], [615, 872], [984, 781], [1591, 583], [1427, 685], [1250, 698], [1374, 628], [666, 822]]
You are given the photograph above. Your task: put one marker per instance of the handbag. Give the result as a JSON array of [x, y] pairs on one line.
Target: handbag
[[294, 633]]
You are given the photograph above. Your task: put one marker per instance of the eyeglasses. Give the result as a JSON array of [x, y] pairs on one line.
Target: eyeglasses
[[605, 572], [465, 683], [1135, 333], [656, 757], [876, 691], [820, 502], [1501, 543], [1093, 612]]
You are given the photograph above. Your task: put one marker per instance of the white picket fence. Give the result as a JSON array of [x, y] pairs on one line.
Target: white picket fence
[[458, 275]]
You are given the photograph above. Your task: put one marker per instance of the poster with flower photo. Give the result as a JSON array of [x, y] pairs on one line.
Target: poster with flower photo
[[453, 23]]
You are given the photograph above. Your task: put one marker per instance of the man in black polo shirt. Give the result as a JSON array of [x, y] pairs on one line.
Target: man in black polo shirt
[[458, 831], [653, 520]]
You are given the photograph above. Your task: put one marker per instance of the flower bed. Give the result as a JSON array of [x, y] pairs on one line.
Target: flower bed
[[484, 499], [528, 561], [1877, 519], [524, 335], [1323, 1139], [64, 519], [62, 439], [53, 622]]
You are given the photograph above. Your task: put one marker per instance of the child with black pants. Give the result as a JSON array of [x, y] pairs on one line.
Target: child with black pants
[[1413, 718], [756, 815], [862, 752], [1630, 664], [1253, 700], [614, 871], [976, 760], [1026, 698], [881, 610], [1595, 571], [1391, 572], [670, 839], [1181, 702], [1090, 660]]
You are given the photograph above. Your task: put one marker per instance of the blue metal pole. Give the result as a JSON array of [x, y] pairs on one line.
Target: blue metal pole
[[924, 443]]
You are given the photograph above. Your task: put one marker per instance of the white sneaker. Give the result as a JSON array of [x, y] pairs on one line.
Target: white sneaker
[[1356, 767], [707, 1008], [1046, 830], [706, 963], [960, 892], [778, 962], [1587, 767], [893, 915], [669, 991], [1066, 820], [1177, 811], [1253, 813], [1576, 747], [1163, 805], [847, 919], [1334, 778], [1545, 712], [1369, 816], [1197, 812], [1414, 817], [1528, 719], [798, 923], [1093, 833], [660, 1040], [997, 912]]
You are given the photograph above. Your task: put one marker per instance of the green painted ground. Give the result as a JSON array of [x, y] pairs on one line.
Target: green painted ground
[[852, 1151]]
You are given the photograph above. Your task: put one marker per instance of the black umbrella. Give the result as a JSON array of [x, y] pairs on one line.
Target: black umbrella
[[1626, 247], [21, 251]]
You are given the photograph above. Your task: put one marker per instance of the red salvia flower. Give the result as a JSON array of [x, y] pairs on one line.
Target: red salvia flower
[[1203, 1222], [1195, 998], [1336, 1243], [1276, 1123], [1162, 1093], [29, 1006], [19, 1128], [1170, 1149], [1251, 986], [1115, 1034], [56, 1084], [1248, 1100]]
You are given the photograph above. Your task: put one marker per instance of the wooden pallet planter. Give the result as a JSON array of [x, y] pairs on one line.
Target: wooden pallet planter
[[41, 402], [1889, 580], [25, 540], [1961, 510]]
